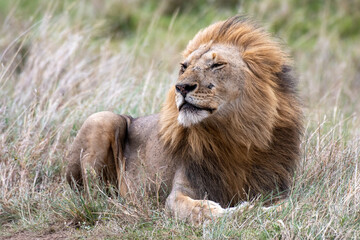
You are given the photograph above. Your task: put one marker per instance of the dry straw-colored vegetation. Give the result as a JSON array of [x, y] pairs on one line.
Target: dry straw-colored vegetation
[[63, 60]]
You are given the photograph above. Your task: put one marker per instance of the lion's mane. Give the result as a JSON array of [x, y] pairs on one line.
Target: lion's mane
[[253, 147]]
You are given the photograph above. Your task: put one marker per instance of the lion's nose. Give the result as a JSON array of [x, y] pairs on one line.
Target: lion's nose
[[185, 88]]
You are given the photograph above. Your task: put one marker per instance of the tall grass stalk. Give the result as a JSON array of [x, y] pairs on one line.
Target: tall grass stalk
[[65, 64]]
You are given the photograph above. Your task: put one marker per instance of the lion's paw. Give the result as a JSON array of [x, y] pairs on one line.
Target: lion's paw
[[204, 211]]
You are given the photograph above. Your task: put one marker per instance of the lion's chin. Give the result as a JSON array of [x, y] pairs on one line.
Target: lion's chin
[[188, 118]]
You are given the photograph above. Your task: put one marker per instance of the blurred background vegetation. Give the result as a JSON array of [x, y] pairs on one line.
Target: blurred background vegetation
[[309, 27], [298, 19], [61, 61]]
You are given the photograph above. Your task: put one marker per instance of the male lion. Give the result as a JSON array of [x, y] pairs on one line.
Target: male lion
[[229, 129]]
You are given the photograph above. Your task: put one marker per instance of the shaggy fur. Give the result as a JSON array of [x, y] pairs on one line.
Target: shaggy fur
[[253, 148], [230, 131]]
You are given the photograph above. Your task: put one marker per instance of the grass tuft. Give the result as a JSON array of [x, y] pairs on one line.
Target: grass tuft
[[61, 62]]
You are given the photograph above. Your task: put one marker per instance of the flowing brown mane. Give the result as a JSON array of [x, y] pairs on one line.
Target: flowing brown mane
[[252, 148]]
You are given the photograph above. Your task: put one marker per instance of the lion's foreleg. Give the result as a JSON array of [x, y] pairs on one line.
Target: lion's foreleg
[[180, 203]]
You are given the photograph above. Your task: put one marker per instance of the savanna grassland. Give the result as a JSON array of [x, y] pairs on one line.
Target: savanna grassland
[[61, 61]]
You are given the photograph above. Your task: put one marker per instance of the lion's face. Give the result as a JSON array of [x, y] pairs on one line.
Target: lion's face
[[209, 79]]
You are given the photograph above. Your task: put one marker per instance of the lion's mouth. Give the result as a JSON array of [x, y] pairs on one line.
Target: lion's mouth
[[186, 106]]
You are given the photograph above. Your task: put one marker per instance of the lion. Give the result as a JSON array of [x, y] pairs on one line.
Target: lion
[[228, 132]]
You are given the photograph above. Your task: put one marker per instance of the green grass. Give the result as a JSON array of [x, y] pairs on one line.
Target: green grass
[[62, 61]]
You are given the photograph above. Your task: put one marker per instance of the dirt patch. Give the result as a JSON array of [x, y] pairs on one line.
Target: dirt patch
[[43, 236]]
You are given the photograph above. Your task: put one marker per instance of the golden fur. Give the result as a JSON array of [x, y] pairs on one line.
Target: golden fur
[[257, 150], [229, 130]]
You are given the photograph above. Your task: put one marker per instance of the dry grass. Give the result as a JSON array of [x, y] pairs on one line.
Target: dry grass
[[63, 65]]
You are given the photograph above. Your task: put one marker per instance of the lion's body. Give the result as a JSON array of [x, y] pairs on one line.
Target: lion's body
[[145, 163], [229, 131], [145, 159]]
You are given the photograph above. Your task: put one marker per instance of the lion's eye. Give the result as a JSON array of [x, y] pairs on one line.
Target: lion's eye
[[217, 65], [183, 67]]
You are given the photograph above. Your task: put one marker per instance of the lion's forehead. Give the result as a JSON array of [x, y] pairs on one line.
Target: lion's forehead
[[204, 55]]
